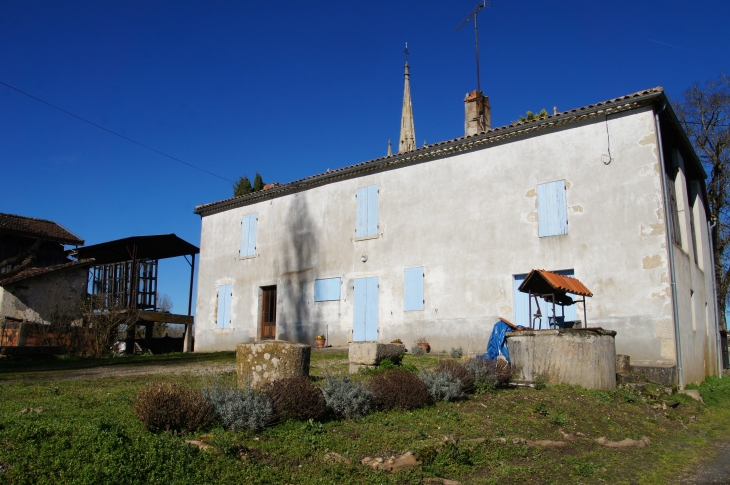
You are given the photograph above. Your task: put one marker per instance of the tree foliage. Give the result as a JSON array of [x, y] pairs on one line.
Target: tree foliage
[[242, 187], [704, 111], [258, 182], [532, 116]]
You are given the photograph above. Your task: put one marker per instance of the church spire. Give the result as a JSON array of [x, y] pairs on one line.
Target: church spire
[[407, 131]]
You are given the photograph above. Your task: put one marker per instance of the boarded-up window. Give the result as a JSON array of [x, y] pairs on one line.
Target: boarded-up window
[[327, 289], [413, 289], [367, 211], [224, 306], [552, 214], [248, 235]]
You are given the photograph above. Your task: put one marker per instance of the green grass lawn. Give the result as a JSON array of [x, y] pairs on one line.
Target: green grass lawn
[[87, 433]]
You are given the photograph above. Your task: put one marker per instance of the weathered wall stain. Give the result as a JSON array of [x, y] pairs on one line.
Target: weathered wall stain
[[650, 262], [652, 230]]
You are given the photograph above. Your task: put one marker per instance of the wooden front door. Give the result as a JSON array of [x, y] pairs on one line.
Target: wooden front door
[[268, 313]]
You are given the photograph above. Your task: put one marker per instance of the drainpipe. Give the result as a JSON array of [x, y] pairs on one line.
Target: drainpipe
[[670, 247], [714, 290]]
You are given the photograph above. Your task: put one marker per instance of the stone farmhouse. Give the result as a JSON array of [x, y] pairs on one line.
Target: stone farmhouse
[[611, 193]]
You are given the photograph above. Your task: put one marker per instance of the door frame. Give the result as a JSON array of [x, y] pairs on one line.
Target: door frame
[[260, 319]]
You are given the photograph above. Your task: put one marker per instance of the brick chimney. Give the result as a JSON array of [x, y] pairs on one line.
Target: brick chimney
[[478, 113]]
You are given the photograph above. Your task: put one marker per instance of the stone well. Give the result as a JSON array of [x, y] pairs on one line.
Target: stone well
[[584, 356], [370, 354], [266, 361]]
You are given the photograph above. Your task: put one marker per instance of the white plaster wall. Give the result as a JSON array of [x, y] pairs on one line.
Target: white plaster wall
[[471, 221]]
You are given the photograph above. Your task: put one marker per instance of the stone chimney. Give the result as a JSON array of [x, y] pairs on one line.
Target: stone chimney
[[478, 113]]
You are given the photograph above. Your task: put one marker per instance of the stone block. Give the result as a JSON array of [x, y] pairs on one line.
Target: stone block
[[261, 362], [623, 364], [372, 353], [693, 393], [658, 373]]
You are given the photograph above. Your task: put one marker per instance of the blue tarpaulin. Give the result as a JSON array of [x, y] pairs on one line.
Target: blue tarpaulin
[[498, 342]]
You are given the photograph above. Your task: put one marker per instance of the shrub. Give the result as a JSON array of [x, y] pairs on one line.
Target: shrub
[[456, 353], [398, 389], [540, 382], [347, 398], [296, 398], [459, 372], [417, 351], [386, 364], [488, 373], [442, 386], [164, 406], [237, 409]]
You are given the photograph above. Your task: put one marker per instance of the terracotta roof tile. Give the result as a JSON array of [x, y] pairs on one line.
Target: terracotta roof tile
[[32, 227]]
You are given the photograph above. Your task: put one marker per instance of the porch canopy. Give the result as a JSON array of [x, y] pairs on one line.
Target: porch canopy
[[553, 288]]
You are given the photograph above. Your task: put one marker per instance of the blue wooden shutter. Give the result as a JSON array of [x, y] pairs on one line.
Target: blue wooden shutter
[[223, 319], [320, 290], [372, 227], [552, 214], [362, 212], [358, 328], [253, 224], [371, 310], [245, 229], [327, 289], [333, 288], [413, 289]]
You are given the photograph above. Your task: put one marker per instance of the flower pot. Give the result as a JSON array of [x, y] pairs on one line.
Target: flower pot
[[424, 345], [319, 342]]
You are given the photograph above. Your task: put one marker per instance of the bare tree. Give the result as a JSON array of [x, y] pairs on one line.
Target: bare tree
[[704, 112], [103, 320]]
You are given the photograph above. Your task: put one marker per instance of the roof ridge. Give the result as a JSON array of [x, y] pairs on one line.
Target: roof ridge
[[494, 131]]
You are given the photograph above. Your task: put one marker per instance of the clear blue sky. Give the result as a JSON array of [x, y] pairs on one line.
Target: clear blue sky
[[290, 89]]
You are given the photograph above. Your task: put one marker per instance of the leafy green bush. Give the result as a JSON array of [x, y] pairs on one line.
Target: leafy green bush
[[417, 351], [442, 386], [347, 398], [296, 398], [164, 406], [714, 390], [239, 409], [456, 353], [459, 372], [398, 389]]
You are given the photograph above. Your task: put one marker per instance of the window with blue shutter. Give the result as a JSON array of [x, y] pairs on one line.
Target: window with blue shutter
[[248, 235], [413, 289], [223, 320], [327, 289], [367, 211], [552, 213]]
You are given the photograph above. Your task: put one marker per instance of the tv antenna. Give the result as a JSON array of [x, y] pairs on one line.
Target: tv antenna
[[474, 14]]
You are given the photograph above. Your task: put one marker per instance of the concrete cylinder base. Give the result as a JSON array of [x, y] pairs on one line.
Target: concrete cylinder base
[[583, 357], [269, 360]]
